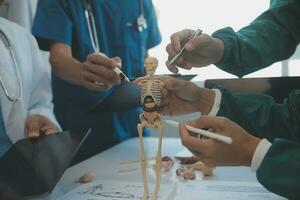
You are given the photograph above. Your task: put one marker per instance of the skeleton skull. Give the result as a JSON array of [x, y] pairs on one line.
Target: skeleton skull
[[150, 65]]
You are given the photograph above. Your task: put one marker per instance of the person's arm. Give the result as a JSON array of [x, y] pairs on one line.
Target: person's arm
[[282, 153], [261, 115], [272, 37], [277, 165], [97, 69], [282, 179], [257, 113], [279, 170], [280, 123], [61, 55], [53, 28]]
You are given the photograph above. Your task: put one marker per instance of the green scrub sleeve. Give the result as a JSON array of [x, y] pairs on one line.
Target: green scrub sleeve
[[271, 37], [280, 170], [261, 116]]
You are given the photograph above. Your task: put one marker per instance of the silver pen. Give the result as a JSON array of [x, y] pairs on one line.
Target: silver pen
[[121, 74], [118, 71], [195, 34]]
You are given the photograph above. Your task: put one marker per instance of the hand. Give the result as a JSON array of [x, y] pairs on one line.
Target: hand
[[215, 153], [181, 97], [97, 73], [37, 125], [200, 51]]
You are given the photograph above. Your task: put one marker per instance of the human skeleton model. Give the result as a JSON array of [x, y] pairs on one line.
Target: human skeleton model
[[150, 118]]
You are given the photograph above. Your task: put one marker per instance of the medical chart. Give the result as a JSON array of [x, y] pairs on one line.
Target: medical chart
[[117, 190], [191, 190]]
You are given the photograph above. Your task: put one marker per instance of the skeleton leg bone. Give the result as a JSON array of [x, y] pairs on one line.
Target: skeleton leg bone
[[158, 165], [143, 162]]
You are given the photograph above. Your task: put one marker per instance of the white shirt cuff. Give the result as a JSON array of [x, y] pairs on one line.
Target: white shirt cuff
[[260, 153], [217, 102]]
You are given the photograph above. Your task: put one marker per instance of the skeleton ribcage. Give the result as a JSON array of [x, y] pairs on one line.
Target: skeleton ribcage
[[151, 87]]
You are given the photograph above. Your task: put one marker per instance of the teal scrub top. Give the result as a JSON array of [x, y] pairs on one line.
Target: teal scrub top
[[271, 37], [64, 21], [5, 142]]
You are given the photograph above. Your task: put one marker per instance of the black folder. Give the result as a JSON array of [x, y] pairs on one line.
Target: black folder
[[33, 167]]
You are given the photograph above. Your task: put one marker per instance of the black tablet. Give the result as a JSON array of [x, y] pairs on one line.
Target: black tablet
[[33, 167], [127, 96]]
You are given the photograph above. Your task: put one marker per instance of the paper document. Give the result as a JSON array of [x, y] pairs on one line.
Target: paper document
[[118, 190], [211, 190]]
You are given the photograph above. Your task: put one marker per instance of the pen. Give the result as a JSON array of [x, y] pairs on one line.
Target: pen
[[121, 74], [195, 34], [205, 133], [118, 71]]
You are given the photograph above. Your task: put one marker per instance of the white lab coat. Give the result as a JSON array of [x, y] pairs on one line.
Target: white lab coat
[[19, 11], [37, 96]]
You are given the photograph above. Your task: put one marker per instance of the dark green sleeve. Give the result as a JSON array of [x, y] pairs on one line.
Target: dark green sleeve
[[271, 37], [261, 116], [280, 170]]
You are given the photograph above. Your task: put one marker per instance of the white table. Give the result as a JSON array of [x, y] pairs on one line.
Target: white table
[[106, 164]]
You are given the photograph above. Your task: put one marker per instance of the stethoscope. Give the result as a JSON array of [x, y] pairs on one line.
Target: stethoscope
[[93, 33], [16, 68]]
